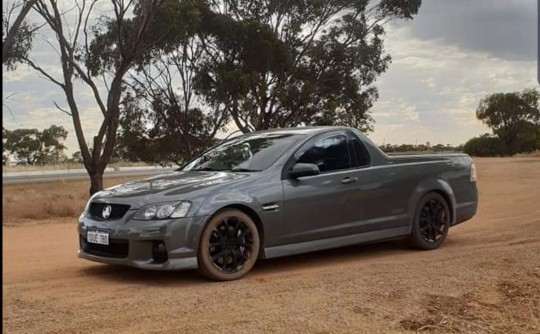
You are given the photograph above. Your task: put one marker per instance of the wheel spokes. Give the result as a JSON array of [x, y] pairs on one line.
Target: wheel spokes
[[217, 243], [433, 221], [433, 233], [230, 244], [235, 228], [219, 255]]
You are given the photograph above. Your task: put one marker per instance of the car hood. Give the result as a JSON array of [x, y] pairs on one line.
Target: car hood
[[175, 183]]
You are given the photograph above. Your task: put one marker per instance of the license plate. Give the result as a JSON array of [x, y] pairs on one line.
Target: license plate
[[98, 237]]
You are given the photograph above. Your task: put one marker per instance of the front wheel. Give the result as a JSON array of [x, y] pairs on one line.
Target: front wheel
[[229, 246], [431, 222]]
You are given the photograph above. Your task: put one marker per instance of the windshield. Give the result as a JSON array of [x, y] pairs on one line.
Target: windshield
[[249, 153]]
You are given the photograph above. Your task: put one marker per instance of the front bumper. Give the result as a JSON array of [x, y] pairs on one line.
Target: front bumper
[[133, 242]]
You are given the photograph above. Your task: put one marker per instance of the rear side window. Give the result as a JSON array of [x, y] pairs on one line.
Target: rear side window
[[330, 154], [360, 155]]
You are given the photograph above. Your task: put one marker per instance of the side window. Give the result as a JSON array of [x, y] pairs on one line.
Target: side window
[[360, 153], [330, 154]]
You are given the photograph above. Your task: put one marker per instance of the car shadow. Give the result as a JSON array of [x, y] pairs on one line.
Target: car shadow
[[319, 259]]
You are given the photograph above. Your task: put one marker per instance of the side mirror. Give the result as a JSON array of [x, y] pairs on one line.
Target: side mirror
[[301, 169]]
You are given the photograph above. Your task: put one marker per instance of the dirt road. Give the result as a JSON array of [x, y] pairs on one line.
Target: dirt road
[[485, 279]]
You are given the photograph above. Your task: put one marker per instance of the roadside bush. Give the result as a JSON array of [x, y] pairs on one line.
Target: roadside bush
[[485, 146], [528, 140]]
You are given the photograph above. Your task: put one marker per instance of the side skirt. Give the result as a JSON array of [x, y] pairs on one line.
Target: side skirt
[[321, 244]]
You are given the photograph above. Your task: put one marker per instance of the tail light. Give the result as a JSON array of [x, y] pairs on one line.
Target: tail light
[[473, 172]]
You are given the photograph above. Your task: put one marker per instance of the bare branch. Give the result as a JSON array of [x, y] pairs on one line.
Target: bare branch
[[78, 24], [5, 99], [84, 76], [62, 110], [85, 27], [43, 72], [51, 45], [4, 104], [36, 28]]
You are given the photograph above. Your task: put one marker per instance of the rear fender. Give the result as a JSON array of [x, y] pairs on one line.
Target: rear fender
[[427, 186]]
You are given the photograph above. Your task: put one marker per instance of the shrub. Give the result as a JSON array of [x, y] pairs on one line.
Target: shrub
[[485, 146]]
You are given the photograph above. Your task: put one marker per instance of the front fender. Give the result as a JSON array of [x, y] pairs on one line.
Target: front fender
[[218, 201], [267, 206]]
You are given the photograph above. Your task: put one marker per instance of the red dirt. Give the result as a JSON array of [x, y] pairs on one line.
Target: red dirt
[[485, 279]]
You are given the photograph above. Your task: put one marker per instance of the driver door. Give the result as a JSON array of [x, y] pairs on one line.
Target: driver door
[[320, 206]]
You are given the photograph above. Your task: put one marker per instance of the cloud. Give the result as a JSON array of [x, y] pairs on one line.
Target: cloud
[[444, 61], [432, 88], [504, 29], [32, 104], [40, 118]]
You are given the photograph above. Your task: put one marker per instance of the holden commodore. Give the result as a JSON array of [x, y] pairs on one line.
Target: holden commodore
[[276, 193]]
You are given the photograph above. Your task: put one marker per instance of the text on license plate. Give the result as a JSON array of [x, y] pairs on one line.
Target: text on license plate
[[98, 237]]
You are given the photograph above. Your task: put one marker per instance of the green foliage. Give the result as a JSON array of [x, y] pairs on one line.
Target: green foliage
[[76, 157], [514, 118], [133, 143], [528, 138], [162, 134], [264, 64], [18, 45], [486, 145], [400, 8], [5, 154], [34, 147], [278, 63], [168, 25], [103, 55]]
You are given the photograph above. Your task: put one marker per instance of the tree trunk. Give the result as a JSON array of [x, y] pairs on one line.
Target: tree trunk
[[96, 182]]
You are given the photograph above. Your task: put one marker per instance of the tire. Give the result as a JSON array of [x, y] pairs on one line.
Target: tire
[[229, 246], [431, 222]]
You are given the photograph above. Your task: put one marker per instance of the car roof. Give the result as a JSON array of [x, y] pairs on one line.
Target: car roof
[[302, 130]]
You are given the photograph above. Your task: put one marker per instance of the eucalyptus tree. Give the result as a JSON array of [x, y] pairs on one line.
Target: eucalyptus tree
[[514, 118], [96, 52], [277, 63]]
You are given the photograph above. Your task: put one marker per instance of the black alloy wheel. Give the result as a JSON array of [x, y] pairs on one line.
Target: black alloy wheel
[[229, 246], [431, 223]]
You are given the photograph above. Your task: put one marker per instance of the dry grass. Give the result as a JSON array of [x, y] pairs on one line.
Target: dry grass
[[535, 154], [510, 306], [40, 201]]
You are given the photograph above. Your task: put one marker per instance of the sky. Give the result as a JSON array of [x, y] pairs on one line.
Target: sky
[[444, 61]]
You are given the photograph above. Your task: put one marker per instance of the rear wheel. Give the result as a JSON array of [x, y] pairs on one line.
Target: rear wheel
[[431, 223], [229, 246]]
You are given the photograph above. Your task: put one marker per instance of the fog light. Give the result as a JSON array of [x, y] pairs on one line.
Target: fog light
[[159, 252]]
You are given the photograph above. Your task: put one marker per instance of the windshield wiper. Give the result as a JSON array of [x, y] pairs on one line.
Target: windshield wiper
[[208, 169], [238, 169]]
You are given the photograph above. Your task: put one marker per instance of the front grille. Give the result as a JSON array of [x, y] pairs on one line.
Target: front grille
[[117, 210], [117, 248]]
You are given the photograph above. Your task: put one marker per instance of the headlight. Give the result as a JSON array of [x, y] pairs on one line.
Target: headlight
[[83, 214], [81, 217], [163, 211]]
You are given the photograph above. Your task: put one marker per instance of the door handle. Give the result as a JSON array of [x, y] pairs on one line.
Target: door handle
[[349, 180]]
